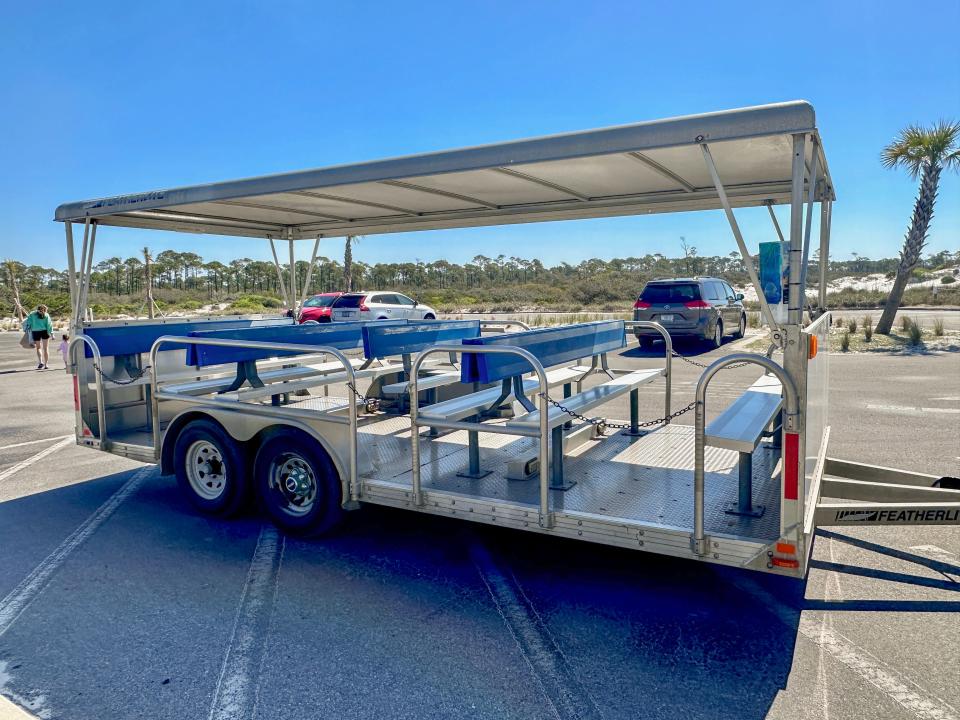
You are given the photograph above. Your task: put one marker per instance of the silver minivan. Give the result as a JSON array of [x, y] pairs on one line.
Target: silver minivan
[[376, 305], [702, 307]]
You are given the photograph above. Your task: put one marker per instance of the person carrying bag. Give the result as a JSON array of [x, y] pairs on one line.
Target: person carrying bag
[[38, 327]]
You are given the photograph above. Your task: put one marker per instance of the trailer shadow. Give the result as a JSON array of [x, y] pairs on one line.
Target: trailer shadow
[[400, 602]]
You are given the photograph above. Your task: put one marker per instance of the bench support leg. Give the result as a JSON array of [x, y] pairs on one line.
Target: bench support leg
[[432, 398], [567, 392], [474, 471], [744, 504], [246, 372], [557, 481], [634, 429]]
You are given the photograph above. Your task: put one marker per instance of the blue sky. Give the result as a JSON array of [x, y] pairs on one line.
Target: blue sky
[[104, 98]]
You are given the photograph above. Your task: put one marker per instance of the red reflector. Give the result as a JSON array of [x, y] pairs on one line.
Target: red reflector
[[697, 305], [791, 457], [785, 563], [76, 394], [641, 305]]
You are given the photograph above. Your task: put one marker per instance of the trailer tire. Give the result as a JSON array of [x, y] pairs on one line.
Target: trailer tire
[[211, 469], [298, 485]]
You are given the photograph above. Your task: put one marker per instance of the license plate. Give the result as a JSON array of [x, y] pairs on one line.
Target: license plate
[[666, 318], [348, 314]]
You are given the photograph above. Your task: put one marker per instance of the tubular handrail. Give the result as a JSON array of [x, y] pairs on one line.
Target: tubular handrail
[[791, 405], [101, 404], [259, 345], [503, 324], [668, 346], [546, 519]]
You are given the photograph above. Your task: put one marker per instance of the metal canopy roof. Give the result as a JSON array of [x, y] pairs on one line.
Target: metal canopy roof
[[633, 169]]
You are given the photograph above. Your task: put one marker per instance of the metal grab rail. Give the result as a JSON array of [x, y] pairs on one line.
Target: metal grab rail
[[101, 404], [545, 519], [791, 405], [668, 345], [256, 345]]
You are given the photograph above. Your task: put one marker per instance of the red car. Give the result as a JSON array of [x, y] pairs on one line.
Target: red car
[[317, 308]]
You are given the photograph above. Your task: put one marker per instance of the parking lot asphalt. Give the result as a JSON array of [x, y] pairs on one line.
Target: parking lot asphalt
[[118, 601]]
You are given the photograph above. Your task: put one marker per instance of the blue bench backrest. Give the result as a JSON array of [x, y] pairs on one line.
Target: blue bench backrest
[[551, 346], [381, 341], [339, 335], [139, 338]]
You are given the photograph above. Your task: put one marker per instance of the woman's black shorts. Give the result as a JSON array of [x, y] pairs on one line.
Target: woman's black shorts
[[40, 335]]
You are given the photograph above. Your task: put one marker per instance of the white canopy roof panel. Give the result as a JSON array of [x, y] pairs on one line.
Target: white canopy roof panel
[[636, 169]]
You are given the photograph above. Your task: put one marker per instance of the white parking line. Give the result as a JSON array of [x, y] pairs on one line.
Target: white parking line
[[34, 458], [33, 584], [235, 696], [915, 699], [33, 442], [907, 410]]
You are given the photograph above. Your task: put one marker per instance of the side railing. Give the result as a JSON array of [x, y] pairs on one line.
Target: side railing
[[545, 516], [81, 385], [667, 367], [156, 394], [791, 414]]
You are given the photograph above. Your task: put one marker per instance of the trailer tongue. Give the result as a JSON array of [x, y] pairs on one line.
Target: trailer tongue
[[514, 428]]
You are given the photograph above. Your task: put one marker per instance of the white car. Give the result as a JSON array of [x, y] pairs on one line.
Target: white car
[[377, 305]]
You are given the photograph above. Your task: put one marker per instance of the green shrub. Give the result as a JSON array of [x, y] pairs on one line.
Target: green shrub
[[867, 328], [916, 333], [852, 325], [938, 327], [839, 321], [947, 279], [905, 323], [753, 319], [845, 341]]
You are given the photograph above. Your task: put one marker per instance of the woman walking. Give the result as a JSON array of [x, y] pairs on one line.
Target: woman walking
[[40, 327]]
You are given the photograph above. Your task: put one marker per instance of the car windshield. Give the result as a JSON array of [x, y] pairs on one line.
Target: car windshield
[[320, 301], [348, 301], [670, 292]]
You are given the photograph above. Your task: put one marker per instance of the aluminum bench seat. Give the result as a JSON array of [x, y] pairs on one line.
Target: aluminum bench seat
[[222, 384], [741, 425], [316, 380], [428, 382], [587, 399], [466, 406]]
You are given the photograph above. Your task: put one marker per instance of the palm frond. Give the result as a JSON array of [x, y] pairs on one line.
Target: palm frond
[[916, 146]]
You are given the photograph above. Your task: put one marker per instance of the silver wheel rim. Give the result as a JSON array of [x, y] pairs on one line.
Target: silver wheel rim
[[206, 471], [743, 326], [292, 477]]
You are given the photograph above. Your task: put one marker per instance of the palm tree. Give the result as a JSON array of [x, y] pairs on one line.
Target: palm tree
[[924, 152]]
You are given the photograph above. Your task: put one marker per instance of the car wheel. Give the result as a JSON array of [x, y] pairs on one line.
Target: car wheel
[[211, 469], [645, 343], [717, 339], [429, 316], [298, 485], [741, 328]]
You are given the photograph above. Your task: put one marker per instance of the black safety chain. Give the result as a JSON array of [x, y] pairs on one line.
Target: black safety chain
[[370, 405], [602, 423], [675, 354], [129, 381]]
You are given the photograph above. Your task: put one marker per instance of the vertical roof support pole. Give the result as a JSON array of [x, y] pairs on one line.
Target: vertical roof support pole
[[306, 280], [811, 197], [826, 216], [747, 257], [292, 301], [71, 266], [78, 321], [795, 295], [85, 288], [773, 216], [276, 264]]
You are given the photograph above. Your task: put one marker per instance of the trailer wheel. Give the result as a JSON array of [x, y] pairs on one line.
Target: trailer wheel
[[298, 485], [211, 469]]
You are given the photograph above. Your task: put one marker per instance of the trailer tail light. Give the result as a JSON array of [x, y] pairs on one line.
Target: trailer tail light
[[640, 305], [812, 350], [785, 555], [791, 466], [697, 305], [76, 393]]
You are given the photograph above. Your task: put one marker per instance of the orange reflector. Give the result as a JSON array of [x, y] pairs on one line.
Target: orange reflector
[[786, 548], [785, 563], [813, 347]]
